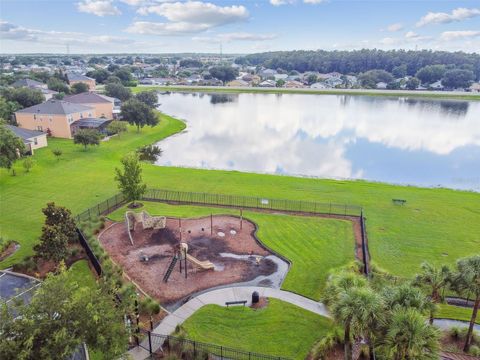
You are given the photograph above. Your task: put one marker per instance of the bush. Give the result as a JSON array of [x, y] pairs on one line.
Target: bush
[[474, 350], [4, 244], [455, 332]]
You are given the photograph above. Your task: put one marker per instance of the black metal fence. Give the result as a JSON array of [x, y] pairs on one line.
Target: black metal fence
[[240, 201], [88, 250], [102, 208], [365, 252], [191, 349]]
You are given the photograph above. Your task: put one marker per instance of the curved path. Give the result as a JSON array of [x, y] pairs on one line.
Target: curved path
[[219, 297]]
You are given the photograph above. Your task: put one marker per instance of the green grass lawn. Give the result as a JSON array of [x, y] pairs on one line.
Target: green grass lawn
[[313, 245], [436, 225], [280, 329], [446, 311], [365, 92], [80, 273]]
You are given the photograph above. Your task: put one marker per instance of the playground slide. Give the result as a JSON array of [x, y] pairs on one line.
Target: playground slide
[[206, 265], [127, 221]]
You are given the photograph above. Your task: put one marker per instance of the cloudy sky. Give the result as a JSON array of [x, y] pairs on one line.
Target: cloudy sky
[[239, 26]]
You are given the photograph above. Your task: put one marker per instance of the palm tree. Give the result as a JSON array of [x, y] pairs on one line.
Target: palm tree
[[357, 310], [340, 282], [434, 277], [467, 280], [409, 337]]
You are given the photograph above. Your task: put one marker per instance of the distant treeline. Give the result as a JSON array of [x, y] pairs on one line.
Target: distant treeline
[[358, 61]]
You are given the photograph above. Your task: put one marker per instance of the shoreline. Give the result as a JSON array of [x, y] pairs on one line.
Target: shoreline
[[452, 95]]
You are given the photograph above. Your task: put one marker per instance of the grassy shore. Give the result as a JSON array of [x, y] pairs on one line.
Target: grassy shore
[[446, 311], [313, 245], [436, 225], [296, 329], [307, 91]]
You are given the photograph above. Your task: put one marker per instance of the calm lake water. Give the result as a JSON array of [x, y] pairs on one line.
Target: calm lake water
[[397, 140]]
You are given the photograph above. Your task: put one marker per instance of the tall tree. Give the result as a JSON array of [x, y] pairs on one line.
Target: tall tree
[[56, 84], [79, 87], [436, 278], [223, 73], [87, 137], [11, 147], [61, 316], [458, 78], [137, 113], [118, 91], [430, 73], [467, 280], [148, 97], [409, 337], [129, 179], [25, 96]]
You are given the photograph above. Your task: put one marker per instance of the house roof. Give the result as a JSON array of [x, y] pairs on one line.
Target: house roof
[[78, 77], [55, 107], [91, 122], [27, 83], [24, 134], [88, 97]]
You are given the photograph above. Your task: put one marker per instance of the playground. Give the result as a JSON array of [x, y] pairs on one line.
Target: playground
[[173, 258]]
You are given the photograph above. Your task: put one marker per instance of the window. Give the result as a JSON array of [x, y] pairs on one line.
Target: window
[[39, 128], [34, 117], [35, 141]]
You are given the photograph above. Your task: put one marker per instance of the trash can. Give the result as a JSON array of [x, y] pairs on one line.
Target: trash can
[[255, 297]]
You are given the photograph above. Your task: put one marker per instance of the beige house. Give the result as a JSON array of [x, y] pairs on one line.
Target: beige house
[[238, 83], [102, 104], [54, 117], [31, 138], [76, 78], [475, 87]]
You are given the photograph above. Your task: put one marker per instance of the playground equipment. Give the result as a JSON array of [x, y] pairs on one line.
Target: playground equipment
[[148, 222], [182, 254]]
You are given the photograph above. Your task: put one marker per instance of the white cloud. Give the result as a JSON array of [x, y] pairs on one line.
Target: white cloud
[[281, 2], [395, 27], [459, 35], [238, 36], [186, 18], [198, 12], [9, 31], [98, 7], [175, 28], [458, 14], [313, 2]]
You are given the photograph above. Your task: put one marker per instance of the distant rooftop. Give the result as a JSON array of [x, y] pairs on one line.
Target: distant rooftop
[[55, 107], [88, 98], [27, 83], [24, 134], [78, 77]]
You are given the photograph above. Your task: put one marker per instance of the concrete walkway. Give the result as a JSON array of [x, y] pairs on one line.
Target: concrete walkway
[[219, 297]]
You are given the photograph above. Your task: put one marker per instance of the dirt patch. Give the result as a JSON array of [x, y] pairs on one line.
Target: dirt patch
[[204, 243], [262, 303], [10, 250]]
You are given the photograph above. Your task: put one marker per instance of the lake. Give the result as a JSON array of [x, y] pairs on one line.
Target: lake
[[413, 141]]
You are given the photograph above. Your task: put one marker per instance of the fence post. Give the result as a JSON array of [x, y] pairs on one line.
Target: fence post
[[108, 206], [150, 342], [221, 352], [194, 348]]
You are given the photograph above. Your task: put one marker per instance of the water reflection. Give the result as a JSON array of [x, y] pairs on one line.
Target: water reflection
[[400, 140]]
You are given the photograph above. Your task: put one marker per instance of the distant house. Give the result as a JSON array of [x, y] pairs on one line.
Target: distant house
[[381, 85], [102, 104], [333, 81], [49, 94], [280, 76], [54, 117], [267, 83], [267, 73], [32, 139], [77, 78], [29, 83], [294, 84], [318, 85], [475, 87], [437, 85], [238, 83]]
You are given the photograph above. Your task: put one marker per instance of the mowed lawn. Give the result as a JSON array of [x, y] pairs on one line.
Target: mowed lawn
[[436, 225], [313, 245], [446, 311], [295, 329]]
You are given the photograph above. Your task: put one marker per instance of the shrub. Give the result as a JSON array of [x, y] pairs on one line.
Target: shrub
[[475, 350]]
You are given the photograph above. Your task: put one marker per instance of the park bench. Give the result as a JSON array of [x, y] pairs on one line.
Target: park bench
[[240, 302], [399, 201]]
